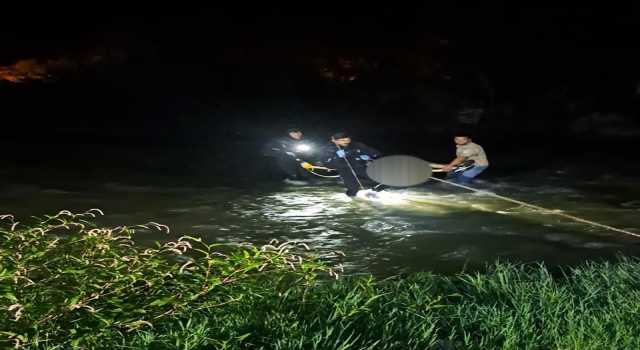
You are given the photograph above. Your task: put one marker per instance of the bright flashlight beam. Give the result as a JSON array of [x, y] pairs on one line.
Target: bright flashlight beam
[[303, 148]]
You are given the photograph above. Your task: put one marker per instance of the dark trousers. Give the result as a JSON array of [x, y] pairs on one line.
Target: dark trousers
[[292, 168], [351, 182]]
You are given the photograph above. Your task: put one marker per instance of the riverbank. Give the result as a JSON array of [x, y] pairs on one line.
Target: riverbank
[[65, 283]]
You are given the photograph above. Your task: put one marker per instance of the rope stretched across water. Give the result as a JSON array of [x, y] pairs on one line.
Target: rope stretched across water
[[540, 208], [310, 168], [512, 201], [327, 176]]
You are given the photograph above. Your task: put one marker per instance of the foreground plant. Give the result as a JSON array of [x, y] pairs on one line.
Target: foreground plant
[[95, 289], [63, 281]]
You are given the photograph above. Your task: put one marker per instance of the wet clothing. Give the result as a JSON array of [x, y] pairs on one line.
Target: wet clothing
[[287, 154], [352, 154], [474, 152], [467, 164], [282, 145], [465, 177], [292, 168]]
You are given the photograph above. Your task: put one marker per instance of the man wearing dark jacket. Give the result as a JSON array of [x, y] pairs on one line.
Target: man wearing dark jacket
[[350, 160], [289, 153]]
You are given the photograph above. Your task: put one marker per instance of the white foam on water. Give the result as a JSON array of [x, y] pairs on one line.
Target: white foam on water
[[378, 226]]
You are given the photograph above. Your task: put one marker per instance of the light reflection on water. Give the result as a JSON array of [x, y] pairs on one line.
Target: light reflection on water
[[440, 228]]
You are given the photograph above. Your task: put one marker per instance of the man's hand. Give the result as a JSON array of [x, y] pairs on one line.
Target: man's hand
[[447, 168]]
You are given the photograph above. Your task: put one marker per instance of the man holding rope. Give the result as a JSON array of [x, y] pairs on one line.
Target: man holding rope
[[290, 153], [350, 160], [470, 161]]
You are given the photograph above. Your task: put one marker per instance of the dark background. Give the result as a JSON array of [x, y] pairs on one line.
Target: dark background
[[554, 84]]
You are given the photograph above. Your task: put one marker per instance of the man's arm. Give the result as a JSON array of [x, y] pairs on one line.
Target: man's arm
[[458, 160], [329, 157], [370, 151], [453, 163], [316, 154], [277, 148], [271, 149], [437, 168]]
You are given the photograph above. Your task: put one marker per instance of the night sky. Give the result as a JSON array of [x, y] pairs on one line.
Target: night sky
[[182, 75]]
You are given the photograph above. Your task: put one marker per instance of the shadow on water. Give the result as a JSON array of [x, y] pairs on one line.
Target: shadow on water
[[238, 197]]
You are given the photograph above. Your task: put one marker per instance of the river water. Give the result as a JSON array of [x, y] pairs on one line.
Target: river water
[[237, 198]]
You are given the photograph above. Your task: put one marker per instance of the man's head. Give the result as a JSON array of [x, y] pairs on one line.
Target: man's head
[[341, 139], [461, 139], [294, 133]]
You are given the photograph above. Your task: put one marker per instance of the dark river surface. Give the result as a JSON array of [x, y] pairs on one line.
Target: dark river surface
[[237, 197]]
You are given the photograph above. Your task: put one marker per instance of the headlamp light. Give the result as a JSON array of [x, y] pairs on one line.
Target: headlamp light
[[303, 148]]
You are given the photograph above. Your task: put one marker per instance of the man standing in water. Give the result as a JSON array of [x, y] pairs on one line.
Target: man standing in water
[[350, 160], [468, 154], [290, 153]]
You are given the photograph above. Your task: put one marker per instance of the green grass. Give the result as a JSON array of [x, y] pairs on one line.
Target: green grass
[[59, 296]]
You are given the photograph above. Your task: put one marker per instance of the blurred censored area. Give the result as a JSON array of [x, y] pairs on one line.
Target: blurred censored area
[[399, 171]]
